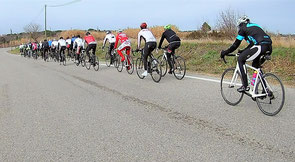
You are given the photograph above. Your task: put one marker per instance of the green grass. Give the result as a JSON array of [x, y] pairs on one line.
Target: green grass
[[14, 51]]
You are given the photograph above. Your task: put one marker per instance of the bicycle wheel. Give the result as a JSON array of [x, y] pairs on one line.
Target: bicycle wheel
[[64, 60], [179, 68], [120, 65], [156, 71], [87, 62], [273, 100], [230, 82], [96, 64], [163, 64], [83, 60], [108, 59], [117, 60], [139, 68], [130, 67]]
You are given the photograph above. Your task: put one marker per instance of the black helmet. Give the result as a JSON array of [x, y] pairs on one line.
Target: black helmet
[[87, 33], [78, 36], [61, 38], [108, 32]]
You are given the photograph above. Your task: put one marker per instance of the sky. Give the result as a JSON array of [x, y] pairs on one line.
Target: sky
[[273, 15]]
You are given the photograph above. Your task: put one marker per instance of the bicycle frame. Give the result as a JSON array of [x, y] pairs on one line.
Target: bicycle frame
[[252, 92]]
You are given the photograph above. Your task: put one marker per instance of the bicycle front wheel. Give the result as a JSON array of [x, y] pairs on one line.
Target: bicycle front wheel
[[230, 82], [179, 68], [108, 59], [156, 71], [139, 68], [87, 62], [163, 64], [273, 101], [130, 66], [96, 64]]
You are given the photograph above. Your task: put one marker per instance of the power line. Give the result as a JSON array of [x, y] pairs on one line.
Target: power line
[[37, 16], [65, 4]]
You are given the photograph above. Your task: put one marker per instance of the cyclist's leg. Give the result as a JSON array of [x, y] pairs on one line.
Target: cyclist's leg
[[87, 51], [128, 48], [93, 52], [247, 55], [120, 49], [145, 56]]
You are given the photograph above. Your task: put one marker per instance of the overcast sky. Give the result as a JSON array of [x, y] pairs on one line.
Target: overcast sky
[[273, 15]]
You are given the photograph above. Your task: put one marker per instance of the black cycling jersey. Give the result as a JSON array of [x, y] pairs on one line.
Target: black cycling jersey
[[170, 36], [252, 33]]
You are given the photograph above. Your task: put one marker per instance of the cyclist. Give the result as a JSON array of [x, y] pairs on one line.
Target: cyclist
[[111, 39], [68, 42], [150, 44], [54, 46], [174, 43], [62, 45], [72, 43], [89, 39], [259, 44], [125, 45], [80, 46], [34, 47], [45, 47]]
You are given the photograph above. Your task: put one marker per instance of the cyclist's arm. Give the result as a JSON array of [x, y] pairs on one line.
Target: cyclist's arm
[[161, 41], [138, 40], [117, 39], [104, 42], [234, 46]]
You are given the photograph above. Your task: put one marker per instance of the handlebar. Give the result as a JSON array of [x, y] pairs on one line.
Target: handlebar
[[231, 54]]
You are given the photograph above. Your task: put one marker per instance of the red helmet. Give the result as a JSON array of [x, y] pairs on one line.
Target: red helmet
[[143, 25]]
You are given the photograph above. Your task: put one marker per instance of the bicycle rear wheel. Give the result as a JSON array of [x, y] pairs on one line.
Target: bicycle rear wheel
[[156, 71], [139, 68], [163, 64], [120, 64], [273, 100], [230, 82], [96, 64], [130, 67], [179, 68]]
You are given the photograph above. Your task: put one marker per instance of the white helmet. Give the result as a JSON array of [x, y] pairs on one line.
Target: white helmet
[[243, 19]]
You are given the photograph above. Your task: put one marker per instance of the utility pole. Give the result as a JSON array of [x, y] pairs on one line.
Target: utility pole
[[45, 23]]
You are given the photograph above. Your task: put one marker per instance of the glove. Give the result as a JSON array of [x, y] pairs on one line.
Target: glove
[[137, 50], [102, 47], [223, 53]]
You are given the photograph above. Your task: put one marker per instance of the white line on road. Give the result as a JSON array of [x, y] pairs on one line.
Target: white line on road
[[193, 77]]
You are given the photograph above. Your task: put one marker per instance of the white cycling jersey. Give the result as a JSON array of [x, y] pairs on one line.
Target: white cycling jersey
[[69, 41], [62, 43], [79, 42], [109, 37], [54, 43], [147, 35]]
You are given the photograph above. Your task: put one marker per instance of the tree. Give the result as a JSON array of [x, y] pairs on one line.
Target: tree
[[206, 27], [226, 23], [32, 30]]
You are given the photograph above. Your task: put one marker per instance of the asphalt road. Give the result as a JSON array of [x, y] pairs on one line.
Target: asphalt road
[[50, 112]]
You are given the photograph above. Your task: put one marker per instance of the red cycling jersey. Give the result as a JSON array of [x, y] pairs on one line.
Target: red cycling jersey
[[89, 39], [122, 37]]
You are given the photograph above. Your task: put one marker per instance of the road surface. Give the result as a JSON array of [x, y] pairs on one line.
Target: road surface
[[50, 112]]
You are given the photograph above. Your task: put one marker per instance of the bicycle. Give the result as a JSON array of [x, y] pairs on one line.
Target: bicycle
[[62, 59], [127, 63], [80, 58], [110, 59], [178, 64], [154, 68], [92, 61], [268, 90]]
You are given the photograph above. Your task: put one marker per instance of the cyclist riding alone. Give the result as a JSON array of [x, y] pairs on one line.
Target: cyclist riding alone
[[150, 44], [62, 45], [112, 40], [174, 43], [260, 44], [125, 45], [90, 40]]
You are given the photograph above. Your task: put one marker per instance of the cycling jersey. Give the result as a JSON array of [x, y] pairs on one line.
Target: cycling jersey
[[121, 37], [147, 35], [109, 37], [79, 42], [54, 44], [34, 46], [49, 43], [73, 40], [170, 36], [90, 39], [69, 41], [62, 43]]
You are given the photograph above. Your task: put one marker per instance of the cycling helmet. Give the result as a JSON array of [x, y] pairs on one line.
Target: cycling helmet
[[143, 25], [61, 38], [243, 19], [108, 32], [166, 27], [87, 33], [120, 31], [78, 36]]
